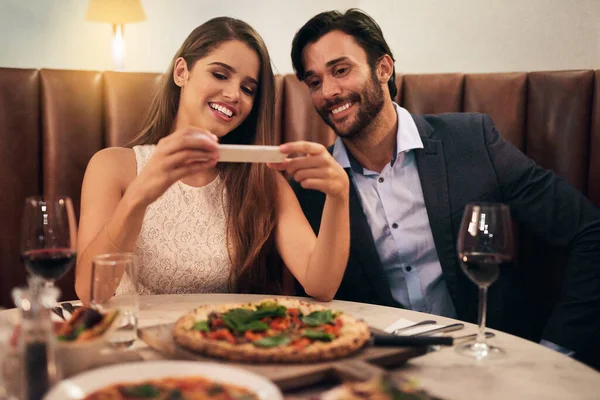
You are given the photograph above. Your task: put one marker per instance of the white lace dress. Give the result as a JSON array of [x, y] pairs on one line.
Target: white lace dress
[[182, 245]]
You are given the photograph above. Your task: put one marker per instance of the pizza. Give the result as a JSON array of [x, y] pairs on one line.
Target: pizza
[[186, 388], [85, 324], [381, 388], [274, 330]]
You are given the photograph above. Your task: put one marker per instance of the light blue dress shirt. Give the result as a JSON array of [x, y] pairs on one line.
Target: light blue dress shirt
[[395, 210]]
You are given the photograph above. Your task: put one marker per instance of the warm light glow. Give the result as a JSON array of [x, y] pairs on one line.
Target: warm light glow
[[117, 13], [118, 48]]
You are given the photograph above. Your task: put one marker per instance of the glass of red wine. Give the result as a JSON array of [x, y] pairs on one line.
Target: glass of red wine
[[485, 243], [48, 238]]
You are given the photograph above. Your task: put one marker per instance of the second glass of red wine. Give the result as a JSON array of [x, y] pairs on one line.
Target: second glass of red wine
[[48, 238], [485, 242]]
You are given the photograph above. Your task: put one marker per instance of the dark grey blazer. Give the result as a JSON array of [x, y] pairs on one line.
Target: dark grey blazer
[[465, 160]]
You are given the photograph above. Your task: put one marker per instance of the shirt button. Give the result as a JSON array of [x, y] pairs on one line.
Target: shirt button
[[395, 225], [408, 269], [380, 179]]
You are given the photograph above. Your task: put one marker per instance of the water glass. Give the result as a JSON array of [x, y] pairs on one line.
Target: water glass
[[114, 288]]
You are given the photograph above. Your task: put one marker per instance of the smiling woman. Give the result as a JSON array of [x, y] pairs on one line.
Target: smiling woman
[[198, 226], [222, 84]]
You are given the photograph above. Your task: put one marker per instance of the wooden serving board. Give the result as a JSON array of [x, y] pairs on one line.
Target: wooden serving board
[[366, 364]]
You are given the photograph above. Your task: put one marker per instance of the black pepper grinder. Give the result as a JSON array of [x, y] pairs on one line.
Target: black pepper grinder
[[36, 345]]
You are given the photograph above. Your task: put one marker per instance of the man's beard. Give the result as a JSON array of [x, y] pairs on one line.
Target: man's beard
[[370, 103]]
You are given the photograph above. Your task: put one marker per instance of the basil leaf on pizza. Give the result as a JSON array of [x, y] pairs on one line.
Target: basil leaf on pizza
[[141, 391], [201, 326], [317, 318], [242, 320], [215, 389], [318, 335], [237, 319], [272, 341], [269, 310], [256, 326]]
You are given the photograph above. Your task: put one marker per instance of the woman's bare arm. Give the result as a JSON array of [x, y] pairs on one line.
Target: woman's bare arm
[[317, 262], [114, 198]]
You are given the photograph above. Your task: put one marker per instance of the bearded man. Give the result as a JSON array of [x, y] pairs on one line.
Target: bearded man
[[411, 177]]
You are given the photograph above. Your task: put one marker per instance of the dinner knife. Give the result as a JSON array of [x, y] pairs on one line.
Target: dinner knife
[[467, 338], [443, 329]]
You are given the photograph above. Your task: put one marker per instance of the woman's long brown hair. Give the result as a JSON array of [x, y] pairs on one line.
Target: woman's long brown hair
[[251, 189]]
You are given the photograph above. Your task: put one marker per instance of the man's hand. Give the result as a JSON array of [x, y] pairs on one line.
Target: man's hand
[[316, 169]]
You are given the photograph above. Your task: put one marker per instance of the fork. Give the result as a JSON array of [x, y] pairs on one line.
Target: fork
[[69, 307], [444, 329], [59, 311]]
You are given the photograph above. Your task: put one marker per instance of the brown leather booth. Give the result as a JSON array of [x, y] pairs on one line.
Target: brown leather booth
[[53, 121]]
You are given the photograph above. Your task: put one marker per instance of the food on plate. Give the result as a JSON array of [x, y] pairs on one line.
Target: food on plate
[[85, 324], [275, 330], [187, 388], [382, 388]]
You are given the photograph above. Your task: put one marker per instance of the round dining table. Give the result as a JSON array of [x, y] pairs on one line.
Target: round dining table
[[526, 371]]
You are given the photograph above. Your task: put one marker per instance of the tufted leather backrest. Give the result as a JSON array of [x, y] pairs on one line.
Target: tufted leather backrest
[[432, 93], [53, 121], [127, 98], [19, 167], [503, 97], [558, 134], [594, 156], [558, 123], [71, 133], [279, 106]]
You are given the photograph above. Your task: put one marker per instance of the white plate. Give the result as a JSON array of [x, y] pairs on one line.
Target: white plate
[[79, 386], [250, 153]]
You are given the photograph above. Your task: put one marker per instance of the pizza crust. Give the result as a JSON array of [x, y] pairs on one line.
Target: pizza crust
[[353, 336]]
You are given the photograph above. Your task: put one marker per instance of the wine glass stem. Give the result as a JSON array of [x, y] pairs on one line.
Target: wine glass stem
[[35, 283], [482, 313]]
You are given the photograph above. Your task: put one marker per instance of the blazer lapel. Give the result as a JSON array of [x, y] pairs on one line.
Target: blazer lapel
[[432, 173]]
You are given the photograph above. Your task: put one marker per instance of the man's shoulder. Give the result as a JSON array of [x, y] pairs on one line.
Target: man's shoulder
[[455, 125], [452, 119]]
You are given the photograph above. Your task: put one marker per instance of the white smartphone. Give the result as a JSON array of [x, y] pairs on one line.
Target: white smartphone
[[250, 153]]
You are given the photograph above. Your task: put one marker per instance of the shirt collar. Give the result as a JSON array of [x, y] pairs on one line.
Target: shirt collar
[[407, 138]]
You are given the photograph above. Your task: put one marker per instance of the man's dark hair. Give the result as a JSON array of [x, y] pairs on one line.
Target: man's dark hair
[[353, 22]]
